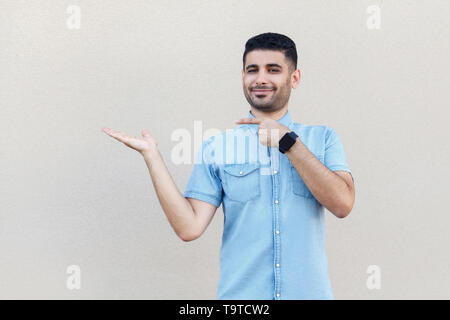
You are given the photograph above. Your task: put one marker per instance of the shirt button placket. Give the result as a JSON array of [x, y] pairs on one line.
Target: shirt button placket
[[276, 184]]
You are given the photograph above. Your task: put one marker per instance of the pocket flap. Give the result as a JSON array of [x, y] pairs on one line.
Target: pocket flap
[[241, 169]]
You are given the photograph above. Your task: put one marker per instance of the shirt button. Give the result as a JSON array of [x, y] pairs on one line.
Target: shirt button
[[278, 265], [278, 231], [278, 294], [240, 172], [276, 201], [275, 171]]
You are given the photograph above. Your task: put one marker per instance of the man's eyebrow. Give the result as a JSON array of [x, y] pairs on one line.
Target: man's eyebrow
[[267, 65]]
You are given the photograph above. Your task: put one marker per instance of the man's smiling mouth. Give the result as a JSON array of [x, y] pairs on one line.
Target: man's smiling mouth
[[262, 91]]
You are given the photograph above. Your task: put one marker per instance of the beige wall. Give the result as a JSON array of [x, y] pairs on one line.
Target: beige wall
[[70, 195]]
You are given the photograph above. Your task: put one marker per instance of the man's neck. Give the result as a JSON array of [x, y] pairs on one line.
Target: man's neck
[[275, 115]]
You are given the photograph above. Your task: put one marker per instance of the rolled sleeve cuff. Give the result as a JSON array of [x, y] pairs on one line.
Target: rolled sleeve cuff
[[204, 197], [341, 168]]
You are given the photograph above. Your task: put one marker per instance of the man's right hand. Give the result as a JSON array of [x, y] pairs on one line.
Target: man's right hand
[[144, 145]]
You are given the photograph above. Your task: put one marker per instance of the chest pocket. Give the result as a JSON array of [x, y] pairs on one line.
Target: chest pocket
[[242, 181], [298, 186]]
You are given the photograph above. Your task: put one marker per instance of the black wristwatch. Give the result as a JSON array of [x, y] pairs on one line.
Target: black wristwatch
[[287, 141]]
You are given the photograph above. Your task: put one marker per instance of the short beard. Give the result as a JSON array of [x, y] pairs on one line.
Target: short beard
[[264, 108], [272, 107]]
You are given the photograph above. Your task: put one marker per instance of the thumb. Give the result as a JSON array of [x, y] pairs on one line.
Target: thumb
[[145, 133]]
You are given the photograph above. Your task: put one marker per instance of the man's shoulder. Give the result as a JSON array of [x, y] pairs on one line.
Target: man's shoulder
[[314, 136]]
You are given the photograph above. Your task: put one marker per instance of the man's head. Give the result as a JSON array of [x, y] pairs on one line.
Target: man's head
[[269, 62]]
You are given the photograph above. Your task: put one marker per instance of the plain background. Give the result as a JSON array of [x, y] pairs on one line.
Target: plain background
[[71, 195]]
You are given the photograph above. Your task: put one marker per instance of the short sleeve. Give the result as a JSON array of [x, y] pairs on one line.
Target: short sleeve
[[334, 152], [204, 184]]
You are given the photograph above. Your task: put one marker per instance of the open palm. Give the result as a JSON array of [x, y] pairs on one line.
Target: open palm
[[145, 144]]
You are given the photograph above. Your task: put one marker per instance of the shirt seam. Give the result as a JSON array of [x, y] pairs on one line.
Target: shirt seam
[[339, 167]]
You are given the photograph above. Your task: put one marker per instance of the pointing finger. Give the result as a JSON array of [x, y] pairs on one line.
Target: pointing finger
[[248, 120], [120, 136]]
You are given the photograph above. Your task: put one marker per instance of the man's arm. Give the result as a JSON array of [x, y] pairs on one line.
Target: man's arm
[[334, 190], [188, 217]]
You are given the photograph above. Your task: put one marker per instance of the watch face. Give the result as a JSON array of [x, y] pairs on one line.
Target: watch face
[[287, 141]]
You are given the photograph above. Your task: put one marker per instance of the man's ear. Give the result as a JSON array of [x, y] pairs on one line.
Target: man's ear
[[296, 78]]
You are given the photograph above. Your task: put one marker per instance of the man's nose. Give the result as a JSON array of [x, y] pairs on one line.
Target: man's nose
[[261, 78]]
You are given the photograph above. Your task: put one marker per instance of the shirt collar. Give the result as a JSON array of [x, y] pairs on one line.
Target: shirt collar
[[285, 120]]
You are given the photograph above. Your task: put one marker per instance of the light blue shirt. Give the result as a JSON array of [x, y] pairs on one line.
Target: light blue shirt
[[273, 244]]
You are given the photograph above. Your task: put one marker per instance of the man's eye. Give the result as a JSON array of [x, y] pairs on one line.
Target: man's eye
[[275, 70]]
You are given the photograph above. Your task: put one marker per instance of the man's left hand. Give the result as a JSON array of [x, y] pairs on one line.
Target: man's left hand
[[270, 131]]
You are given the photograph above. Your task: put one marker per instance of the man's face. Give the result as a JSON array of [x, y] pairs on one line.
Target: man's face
[[266, 80]]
